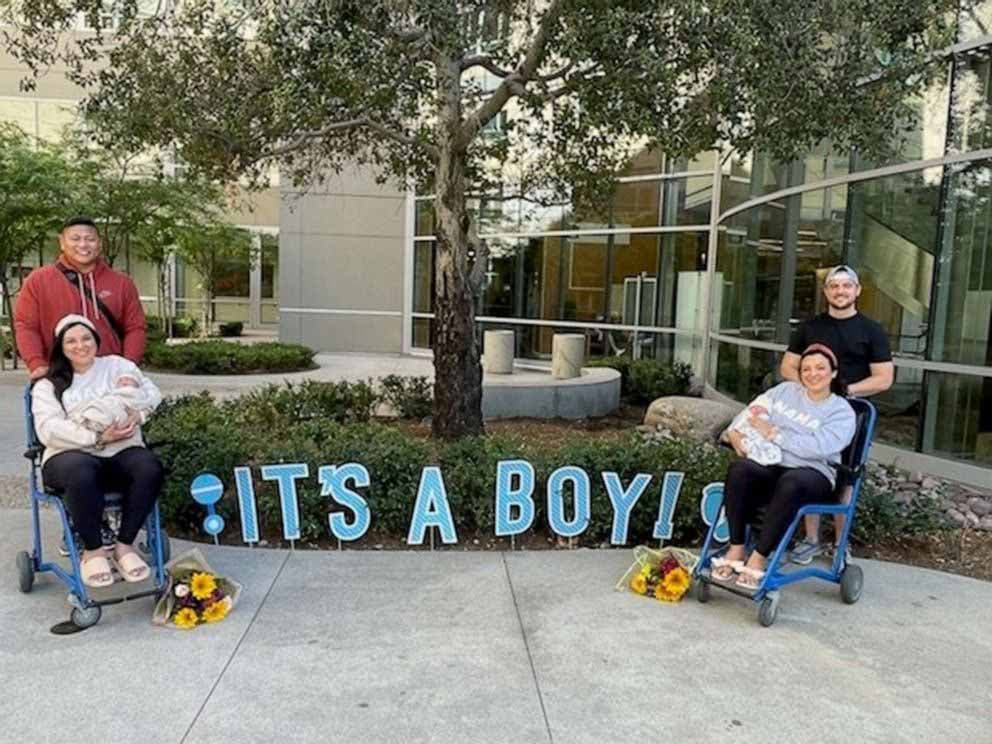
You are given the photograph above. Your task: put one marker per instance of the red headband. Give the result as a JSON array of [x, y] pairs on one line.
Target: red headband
[[821, 349]]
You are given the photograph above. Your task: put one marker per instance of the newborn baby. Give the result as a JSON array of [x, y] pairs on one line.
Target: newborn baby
[[111, 409], [758, 448]]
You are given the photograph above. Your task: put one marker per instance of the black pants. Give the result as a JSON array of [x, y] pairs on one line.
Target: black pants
[[83, 479], [750, 486]]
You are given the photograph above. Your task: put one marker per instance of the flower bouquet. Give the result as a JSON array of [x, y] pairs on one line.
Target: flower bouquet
[[195, 593], [665, 574]]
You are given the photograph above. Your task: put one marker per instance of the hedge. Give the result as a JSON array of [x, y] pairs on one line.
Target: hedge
[[227, 358], [332, 426], [645, 380]]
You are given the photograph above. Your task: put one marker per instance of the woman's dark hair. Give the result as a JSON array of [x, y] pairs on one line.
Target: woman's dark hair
[[837, 384], [60, 370]]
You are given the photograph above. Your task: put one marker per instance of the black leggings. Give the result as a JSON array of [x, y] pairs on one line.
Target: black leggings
[[784, 490], [83, 479]]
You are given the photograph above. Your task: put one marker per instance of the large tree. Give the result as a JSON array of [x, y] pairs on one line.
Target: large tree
[[412, 88], [35, 188]]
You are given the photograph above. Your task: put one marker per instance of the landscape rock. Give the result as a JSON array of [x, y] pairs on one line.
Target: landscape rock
[[697, 418], [985, 523], [957, 517], [980, 507]]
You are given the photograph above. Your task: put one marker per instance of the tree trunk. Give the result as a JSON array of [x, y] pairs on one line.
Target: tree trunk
[[457, 368]]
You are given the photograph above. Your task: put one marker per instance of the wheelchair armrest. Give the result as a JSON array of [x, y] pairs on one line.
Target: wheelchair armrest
[[34, 451]]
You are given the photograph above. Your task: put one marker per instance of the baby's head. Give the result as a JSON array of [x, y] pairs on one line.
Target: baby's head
[[125, 381]]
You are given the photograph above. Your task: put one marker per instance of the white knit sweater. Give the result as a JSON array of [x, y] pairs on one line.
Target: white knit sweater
[[59, 433]]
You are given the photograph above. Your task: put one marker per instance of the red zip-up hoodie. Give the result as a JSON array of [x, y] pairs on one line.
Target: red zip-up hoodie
[[47, 296]]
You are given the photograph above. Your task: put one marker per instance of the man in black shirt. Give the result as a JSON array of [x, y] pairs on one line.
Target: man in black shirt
[[864, 362]]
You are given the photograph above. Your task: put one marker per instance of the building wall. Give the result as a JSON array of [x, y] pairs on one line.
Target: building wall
[[341, 254]]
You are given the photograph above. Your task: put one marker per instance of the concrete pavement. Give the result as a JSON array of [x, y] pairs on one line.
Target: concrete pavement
[[406, 647]]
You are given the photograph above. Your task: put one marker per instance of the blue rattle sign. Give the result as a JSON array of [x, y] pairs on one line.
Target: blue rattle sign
[[207, 489]]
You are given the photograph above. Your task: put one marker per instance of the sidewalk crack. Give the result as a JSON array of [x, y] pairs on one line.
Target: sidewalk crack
[[530, 657], [237, 648]]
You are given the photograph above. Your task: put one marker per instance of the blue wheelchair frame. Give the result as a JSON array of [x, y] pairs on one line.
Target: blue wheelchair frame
[[850, 577], [86, 609]]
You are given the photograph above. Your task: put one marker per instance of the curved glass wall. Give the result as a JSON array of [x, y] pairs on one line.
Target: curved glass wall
[[636, 277]]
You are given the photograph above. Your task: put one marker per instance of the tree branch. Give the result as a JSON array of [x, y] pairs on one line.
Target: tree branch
[[515, 83], [485, 61], [305, 138]]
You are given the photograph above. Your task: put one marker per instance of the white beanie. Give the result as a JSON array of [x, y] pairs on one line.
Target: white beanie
[[72, 319]]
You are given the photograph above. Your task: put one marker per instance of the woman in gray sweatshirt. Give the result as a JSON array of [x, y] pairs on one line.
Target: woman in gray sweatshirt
[[812, 423]]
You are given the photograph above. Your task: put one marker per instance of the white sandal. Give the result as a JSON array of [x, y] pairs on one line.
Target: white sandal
[[716, 563], [755, 574]]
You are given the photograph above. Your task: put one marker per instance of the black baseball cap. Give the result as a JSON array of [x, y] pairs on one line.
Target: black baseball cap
[[78, 220]]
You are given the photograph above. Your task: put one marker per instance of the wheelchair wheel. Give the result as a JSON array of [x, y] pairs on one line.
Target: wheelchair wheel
[[25, 572], [768, 610], [85, 618], [703, 591], [852, 583]]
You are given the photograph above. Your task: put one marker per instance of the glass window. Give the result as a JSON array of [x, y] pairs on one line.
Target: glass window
[[688, 200], [636, 204], [891, 234], [741, 372], [423, 276], [646, 162], [959, 417], [748, 272], [962, 319], [500, 278], [424, 217], [899, 409], [704, 161]]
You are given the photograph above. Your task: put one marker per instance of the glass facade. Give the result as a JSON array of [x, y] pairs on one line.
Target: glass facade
[[636, 278]]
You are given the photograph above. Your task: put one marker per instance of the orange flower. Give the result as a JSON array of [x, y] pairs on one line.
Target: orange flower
[[639, 584]]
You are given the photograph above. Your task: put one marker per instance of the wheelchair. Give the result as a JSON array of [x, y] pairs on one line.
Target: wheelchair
[[86, 602], [849, 576]]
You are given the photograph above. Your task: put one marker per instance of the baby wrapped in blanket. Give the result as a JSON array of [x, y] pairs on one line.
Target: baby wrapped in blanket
[[759, 449], [111, 409]]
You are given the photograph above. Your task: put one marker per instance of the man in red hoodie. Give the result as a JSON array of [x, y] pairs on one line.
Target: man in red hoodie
[[78, 282]]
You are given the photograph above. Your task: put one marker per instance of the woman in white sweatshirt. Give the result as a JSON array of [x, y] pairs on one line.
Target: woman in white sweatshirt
[[82, 463]]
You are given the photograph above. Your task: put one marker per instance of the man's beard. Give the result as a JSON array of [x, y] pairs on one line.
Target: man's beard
[[836, 306]]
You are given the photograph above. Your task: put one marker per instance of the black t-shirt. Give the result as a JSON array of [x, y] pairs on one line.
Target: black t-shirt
[[857, 341]]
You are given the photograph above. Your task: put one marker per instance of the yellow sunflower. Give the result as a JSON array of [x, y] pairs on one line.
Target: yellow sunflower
[[677, 582], [639, 584], [202, 585], [660, 592], [185, 618], [216, 611]]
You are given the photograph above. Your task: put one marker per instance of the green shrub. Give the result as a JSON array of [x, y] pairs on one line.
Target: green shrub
[[231, 330], [650, 379], [881, 517], [154, 330], [185, 326], [226, 358], [323, 424], [282, 405], [644, 380], [410, 397]]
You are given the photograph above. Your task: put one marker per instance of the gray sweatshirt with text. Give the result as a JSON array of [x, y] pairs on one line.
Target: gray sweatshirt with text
[[812, 433]]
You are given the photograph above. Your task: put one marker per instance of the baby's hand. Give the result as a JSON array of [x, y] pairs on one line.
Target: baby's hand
[[126, 381], [758, 410]]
